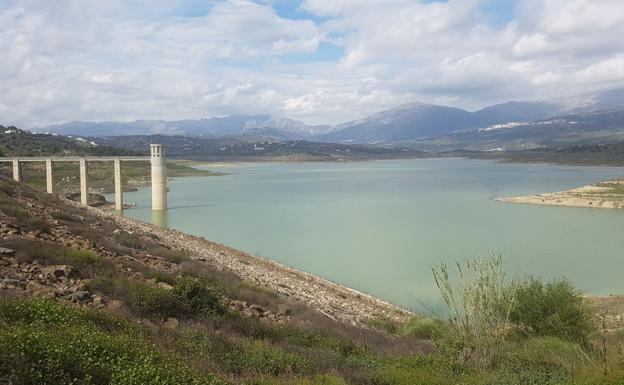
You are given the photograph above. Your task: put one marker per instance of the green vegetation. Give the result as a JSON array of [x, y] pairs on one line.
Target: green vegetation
[[250, 148], [179, 325], [479, 308], [552, 309], [422, 327], [190, 296], [17, 142], [616, 187], [523, 331], [85, 263], [43, 342]]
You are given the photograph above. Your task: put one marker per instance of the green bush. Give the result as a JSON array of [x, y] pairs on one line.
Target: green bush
[[422, 327], [552, 309], [150, 300], [189, 297], [111, 285], [197, 296]]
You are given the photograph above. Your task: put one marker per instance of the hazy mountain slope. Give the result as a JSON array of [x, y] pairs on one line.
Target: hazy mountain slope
[[221, 126], [517, 111], [414, 120], [249, 148], [599, 127]]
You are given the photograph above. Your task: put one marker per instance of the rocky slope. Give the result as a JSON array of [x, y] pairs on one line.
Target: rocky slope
[[65, 223]]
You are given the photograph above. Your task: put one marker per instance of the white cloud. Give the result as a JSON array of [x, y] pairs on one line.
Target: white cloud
[[108, 60]]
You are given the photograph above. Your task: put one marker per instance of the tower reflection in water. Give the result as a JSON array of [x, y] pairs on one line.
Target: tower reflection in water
[[159, 218]]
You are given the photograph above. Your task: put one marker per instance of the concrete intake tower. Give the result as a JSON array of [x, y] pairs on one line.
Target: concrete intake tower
[[159, 177]]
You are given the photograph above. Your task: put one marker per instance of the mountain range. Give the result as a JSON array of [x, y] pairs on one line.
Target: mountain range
[[426, 126]]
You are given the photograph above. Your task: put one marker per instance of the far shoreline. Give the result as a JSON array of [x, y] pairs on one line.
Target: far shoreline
[[602, 195]]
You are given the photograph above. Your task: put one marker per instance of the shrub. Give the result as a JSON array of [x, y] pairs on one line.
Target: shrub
[[170, 255], [422, 327], [385, 324], [111, 285], [150, 300], [552, 309], [189, 297], [197, 295]]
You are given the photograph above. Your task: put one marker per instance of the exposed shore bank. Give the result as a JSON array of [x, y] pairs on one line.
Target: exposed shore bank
[[333, 300], [606, 195]]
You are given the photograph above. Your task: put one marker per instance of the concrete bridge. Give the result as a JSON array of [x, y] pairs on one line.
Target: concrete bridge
[[156, 159]]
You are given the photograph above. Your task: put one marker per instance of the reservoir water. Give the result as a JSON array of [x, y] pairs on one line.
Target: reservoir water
[[379, 226]]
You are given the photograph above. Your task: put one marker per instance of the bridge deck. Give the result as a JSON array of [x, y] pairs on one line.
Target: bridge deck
[[77, 158]]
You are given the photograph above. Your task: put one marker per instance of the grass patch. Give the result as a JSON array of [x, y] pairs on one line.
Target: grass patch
[[244, 355], [73, 349], [384, 324], [86, 263]]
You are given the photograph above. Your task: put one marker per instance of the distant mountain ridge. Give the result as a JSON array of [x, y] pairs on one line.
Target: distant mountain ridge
[[574, 129], [411, 121], [273, 126]]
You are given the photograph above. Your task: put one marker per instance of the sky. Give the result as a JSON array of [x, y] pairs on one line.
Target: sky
[[318, 61]]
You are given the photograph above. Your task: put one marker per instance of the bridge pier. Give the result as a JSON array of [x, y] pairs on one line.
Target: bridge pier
[[158, 172], [49, 176], [17, 170], [118, 190], [84, 183], [159, 177]]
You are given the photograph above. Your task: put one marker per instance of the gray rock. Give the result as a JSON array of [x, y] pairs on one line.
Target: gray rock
[[5, 251], [171, 323], [80, 296], [165, 286]]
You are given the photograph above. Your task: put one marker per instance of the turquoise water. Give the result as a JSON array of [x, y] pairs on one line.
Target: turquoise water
[[379, 226]]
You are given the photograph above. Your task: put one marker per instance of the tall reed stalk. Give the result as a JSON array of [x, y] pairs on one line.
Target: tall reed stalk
[[479, 304]]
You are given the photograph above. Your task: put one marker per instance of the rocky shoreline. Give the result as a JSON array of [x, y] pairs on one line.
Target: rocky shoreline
[[606, 195], [333, 300]]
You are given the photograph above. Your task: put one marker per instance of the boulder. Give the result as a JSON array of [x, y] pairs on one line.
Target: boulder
[[165, 286], [171, 323], [57, 271], [5, 251], [80, 296]]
